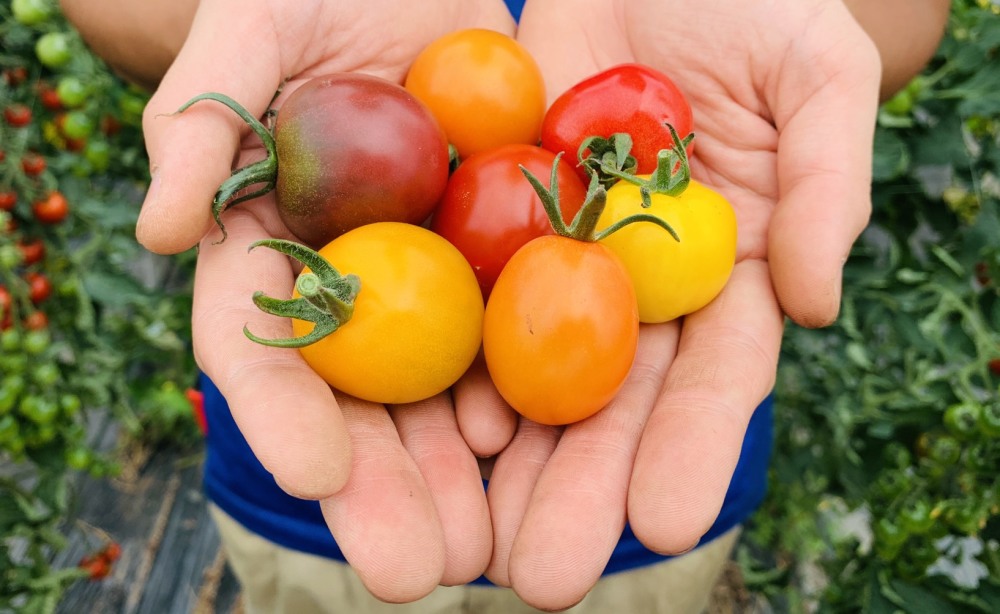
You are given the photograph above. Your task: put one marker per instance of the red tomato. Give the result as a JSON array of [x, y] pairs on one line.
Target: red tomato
[[36, 320], [39, 287], [33, 164], [8, 200], [50, 98], [628, 98], [17, 115], [52, 209], [489, 210], [31, 252], [561, 329]]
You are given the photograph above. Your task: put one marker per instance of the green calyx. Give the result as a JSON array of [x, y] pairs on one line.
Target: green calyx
[[327, 297], [262, 172], [584, 224], [610, 160]]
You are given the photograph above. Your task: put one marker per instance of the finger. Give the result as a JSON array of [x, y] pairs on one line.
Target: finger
[[824, 173], [725, 366], [429, 433], [191, 153], [485, 420], [384, 519], [511, 483], [287, 414], [577, 510]]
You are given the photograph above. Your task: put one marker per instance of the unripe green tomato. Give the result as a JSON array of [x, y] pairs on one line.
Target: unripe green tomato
[[10, 257], [53, 49], [46, 374], [31, 12], [79, 458], [899, 105], [10, 391], [39, 409], [98, 153], [9, 429], [72, 92], [10, 340], [918, 517], [78, 125], [989, 419], [36, 341], [70, 404], [962, 419]]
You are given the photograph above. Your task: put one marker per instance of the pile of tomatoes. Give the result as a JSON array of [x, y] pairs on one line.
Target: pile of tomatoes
[[453, 214]]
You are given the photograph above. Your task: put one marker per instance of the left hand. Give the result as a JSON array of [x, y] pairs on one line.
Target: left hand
[[785, 99]]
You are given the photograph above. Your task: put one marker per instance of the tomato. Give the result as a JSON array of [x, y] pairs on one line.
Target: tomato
[[39, 287], [36, 321], [348, 149], [32, 251], [989, 419], [98, 154], [33, 164], [77, 125], [628, 98], [674, 278], [414, 327], [489, 210], [17, 115], [7, 200], [6, 303], [50, 99], [53, 49], [52, 209], [15, 76], [562, 323], [72, 92], [484, 88], [31, 12]]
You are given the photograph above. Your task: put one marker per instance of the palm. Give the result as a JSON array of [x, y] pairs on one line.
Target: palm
[[783, 117], [399, 488]]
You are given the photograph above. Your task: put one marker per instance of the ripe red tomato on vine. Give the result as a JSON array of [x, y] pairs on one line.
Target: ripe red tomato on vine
[[52, 209]]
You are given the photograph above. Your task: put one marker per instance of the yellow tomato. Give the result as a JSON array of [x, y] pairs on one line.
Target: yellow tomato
[[483, 87], [673, 278], [417, 321]]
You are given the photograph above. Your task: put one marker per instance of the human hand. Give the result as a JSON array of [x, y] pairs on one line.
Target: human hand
[[398, 486], [784, 100]]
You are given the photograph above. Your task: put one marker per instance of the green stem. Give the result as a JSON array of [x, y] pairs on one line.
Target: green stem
[[262, 172], [327, 297]]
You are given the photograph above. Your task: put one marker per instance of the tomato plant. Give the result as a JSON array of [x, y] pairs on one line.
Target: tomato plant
[[484, 88], [561, 324], [402, 324], [348, 149], [489, 211], [628, 98], [672, 278]]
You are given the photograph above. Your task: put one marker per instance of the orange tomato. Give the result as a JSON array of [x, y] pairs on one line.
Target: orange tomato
[[483, 87], [560, 329]]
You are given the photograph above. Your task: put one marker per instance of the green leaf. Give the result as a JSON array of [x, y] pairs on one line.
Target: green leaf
[[891, 157], [111, 289], [919, 600]]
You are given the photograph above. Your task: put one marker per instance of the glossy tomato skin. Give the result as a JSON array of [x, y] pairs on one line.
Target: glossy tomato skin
[[628, 98], [485, 89], [489, 210], [417, 323], [560, 330], [355, 149], [673, 278]]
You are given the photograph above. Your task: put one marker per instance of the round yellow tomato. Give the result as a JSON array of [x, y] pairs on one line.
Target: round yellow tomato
[[673, 278], [483, 87], [417, 321]]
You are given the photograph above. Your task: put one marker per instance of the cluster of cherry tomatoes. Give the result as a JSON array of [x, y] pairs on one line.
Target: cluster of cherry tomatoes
[[460, 212]]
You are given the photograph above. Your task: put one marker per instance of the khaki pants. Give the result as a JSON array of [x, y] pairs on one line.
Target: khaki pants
[[278, 580]]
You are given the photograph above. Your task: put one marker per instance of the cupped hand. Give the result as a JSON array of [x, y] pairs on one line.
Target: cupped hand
[[398, 486], [784, 97]]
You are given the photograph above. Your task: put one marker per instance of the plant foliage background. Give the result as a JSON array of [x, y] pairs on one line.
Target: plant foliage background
[[884, 489]]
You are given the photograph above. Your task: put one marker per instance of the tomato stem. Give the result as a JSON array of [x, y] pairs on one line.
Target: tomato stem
[[584, 225], [262, 172], [327, 297], [610, 161]]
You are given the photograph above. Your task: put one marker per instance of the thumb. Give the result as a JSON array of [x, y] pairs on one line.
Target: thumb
[[192, 153]]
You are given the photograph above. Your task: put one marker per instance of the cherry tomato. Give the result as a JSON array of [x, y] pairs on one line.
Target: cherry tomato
[[17, 115], [50, 99], [674, 278], [7, 200], [52, 209], [484, 88], [348, 149], [15, 76], [32, 251], [36, 321], [31, 12], [489, 210], [33, 164], [72, 92], [6, 302], [53, 49], [627, 98], [561, 329], [77, 125], [417, 319], [39, 287]]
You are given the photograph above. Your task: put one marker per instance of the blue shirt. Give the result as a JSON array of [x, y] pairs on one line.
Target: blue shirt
[[237, 482]]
